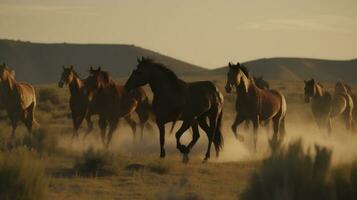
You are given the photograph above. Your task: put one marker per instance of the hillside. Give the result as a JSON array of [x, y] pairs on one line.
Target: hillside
[[300, 69], [42, 63]]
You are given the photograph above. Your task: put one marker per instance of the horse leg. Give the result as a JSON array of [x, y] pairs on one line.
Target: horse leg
[[329, 126], [112, 129], [161, 127], [28, 117], [183, 128], [89, 124], [203, 124], [103, 128], [238, 120], [132, 124], [142, 113], [255, 132], [14, 120], [213, 118]]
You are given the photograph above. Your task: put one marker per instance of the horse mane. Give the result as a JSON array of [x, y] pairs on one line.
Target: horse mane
[[172, 77], [245, 70]]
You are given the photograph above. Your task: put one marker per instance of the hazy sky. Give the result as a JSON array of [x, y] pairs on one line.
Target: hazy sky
[[205, 32]]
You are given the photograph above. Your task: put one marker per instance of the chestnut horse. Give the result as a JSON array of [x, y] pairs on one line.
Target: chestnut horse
[[176, 100], [78, 102], [255, 104], [18, 99], [326, 106], [112, 103]]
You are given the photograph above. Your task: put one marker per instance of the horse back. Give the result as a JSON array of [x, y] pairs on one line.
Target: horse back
[[272, 103]]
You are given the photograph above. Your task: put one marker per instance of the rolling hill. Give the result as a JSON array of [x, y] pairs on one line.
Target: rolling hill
[[42, 63], [300, 69]]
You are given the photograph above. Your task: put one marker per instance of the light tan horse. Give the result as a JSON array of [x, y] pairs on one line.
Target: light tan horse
[[19, 99], [255, 104], [343, 104]]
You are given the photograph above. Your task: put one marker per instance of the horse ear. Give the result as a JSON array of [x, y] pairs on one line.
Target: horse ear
[[313, 80], [229, 65], [238, 64], [13, 73]]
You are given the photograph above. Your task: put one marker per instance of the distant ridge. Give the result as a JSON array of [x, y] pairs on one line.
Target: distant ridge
[[301, 69], [42, 63]]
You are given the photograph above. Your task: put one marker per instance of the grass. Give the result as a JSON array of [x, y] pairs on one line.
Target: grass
[[22, 176], [95, 163], [296, 174]]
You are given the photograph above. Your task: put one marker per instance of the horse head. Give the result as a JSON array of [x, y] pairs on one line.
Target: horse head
[[139, 76], [237, 75], [6, 74], [310, 90], [67, 76]]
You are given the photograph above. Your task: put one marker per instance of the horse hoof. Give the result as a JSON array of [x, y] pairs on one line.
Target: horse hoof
[[162, 154], [185, 158]]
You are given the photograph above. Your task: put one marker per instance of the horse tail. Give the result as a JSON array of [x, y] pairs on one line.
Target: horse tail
[[218, 136], [283, 109], [34, 124]]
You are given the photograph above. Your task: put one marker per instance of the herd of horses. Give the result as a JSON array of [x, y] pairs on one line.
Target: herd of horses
[[196, 104]]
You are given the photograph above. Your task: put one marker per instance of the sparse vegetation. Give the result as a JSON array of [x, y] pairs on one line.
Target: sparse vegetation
[[22, 176], [42, 140], [95, 163], [296, 174], [49, 94]]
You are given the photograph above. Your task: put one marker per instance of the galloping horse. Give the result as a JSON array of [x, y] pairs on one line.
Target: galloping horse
[[264, 85], [255, 104], [78, 102], [354, 99], [176, 100], [325, 106], [19, 99], [112, 103]]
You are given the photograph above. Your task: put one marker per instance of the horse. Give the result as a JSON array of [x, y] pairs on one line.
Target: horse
[[325, 106], [354, 99], [112, 103], [176, 100], [264, 85], [255, 104], [78, 102], [18, 99]]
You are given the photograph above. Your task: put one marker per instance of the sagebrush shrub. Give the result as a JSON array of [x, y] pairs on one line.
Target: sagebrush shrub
[[22, 176]]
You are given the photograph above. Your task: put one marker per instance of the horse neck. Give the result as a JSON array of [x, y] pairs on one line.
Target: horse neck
[[76, 85], [8, 86], [250, 84], [162, 87], [320, 91]]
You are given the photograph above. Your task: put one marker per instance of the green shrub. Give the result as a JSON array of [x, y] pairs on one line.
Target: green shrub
[[295, 174], [95, 163], [43, 140], [22, 176]]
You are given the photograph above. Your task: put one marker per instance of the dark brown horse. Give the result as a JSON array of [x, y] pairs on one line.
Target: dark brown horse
[[78, 102], [326, 106], [19, 99], [255, 104], [176, 100], [112, 103]]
